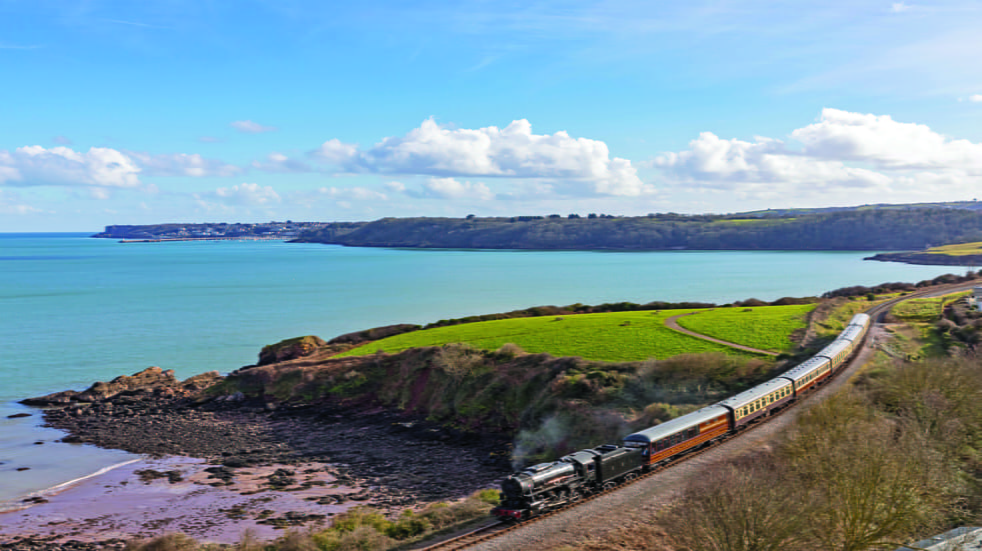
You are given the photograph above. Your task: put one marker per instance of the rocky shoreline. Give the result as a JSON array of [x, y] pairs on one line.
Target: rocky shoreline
[[929, 259], [396, 461]]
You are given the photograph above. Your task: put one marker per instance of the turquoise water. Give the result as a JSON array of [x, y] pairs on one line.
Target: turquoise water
[[74, 309]]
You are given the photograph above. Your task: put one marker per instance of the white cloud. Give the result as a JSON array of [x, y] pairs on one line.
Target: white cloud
[[101, 167], [353, 193], [761, 167], [885, 142], [511, 152], [975, 98], [35, 165], [99, 193], [277, 162], [250, 127], [899, 7], [336, 152], [397, 187], [449, 188], [183, 164], [11, 203], [246, 195], [843, 151]]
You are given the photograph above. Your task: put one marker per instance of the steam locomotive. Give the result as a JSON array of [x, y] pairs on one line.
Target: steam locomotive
[[549, 486]]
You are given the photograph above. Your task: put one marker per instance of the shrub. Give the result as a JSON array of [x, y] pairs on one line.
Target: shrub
[[458, 360], [509, 351], [296, 540], [167, 542], [738, 508], [407, 526], [362, 538], [490, 496], [656, 413]]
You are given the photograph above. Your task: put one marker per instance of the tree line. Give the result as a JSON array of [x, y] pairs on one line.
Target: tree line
[[874, 229]]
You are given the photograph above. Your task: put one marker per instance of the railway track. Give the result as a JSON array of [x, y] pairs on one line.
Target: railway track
[[499, 528]]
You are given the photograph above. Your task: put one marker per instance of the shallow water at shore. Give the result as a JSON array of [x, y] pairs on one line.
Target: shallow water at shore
[[74, 310]]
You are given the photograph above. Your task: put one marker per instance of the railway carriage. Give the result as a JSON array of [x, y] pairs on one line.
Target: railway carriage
[[861, 319], [807, 375], [671, 438], [837, 352], [853, 334], [857, 328], [759, 401]]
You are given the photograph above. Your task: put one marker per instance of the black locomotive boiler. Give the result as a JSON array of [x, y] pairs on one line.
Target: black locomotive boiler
[[547, 486]]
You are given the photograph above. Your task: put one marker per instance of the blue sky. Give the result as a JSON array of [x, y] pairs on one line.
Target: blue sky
[[130, 113]]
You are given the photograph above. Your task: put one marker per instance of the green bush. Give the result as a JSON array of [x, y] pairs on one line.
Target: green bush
[[167, 542]]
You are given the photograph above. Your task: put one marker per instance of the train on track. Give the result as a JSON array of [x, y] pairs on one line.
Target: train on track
[[549, 486]]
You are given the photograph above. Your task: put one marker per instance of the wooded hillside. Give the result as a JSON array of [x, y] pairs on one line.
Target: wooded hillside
[[877, 229]]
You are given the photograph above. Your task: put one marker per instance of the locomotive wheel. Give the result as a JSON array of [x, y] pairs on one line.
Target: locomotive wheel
[[575, 496], [630, 476], [609, 486]]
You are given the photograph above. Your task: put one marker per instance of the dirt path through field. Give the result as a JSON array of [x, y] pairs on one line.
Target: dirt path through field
[[673, 324]]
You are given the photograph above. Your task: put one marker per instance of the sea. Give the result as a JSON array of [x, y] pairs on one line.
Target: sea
[[74, 310]]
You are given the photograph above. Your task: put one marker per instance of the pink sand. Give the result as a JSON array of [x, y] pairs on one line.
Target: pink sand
[[117, 504]]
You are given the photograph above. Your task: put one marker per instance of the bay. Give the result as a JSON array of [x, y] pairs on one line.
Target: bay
[[74, 310]]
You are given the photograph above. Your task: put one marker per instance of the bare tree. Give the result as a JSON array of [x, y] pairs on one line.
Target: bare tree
[[869, 484], [749, 506]]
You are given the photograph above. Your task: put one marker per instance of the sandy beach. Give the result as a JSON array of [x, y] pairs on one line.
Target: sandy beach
[[123, 504]]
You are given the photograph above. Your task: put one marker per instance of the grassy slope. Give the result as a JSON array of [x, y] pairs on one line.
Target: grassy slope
[[958, 249], [767, 328], [616, 336], [925, 309]]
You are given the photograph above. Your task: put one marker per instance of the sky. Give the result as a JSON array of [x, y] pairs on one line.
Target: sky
[[248, 111]]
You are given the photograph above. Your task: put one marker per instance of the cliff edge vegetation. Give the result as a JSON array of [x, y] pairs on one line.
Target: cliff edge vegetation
[[858, 229]]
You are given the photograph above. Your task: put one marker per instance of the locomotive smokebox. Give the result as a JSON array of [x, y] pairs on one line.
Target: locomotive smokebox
[[516, 486]]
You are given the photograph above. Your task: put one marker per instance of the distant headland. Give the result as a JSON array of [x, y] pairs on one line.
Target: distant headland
[[862, 228]]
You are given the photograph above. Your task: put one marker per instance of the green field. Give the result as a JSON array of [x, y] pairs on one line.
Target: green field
[[919, 309], [616, 336], [958, 249], [924, 309], [765, 327]]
